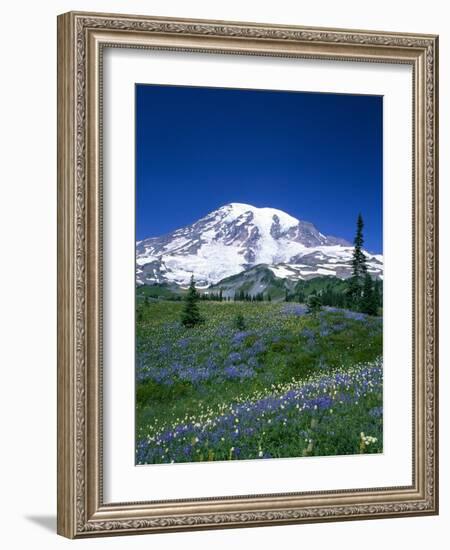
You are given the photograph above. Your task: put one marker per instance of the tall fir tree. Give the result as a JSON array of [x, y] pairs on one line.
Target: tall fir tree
[[359, 259], [356, 281], [369, 302], [314, 303], [239, 321], [191, 313]]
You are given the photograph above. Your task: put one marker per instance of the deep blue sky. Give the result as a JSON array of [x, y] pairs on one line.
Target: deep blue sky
[[316, 156]]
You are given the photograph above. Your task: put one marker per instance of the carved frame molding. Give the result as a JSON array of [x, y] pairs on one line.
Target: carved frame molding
[[81, 39]]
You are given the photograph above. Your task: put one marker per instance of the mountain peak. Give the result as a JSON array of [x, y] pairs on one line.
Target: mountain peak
[[263, 214], [237, 206], [235, 237]]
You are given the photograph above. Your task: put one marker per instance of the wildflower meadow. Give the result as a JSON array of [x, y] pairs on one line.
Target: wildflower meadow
[[256, 380]]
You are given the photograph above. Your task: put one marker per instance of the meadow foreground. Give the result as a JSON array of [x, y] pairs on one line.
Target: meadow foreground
[[256, 380]]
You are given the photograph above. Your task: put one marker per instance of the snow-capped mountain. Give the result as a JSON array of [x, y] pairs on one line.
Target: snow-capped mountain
[[239, 236]]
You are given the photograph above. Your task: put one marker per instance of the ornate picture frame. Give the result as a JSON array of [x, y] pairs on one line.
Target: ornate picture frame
[[82, 39]]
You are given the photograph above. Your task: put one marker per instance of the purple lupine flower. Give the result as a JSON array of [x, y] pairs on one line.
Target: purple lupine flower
[[183, 343], [376, 412], [298, 310], [240, 336], [234, 357]]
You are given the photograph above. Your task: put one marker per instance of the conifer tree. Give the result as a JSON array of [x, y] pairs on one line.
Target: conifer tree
[[239, 321], [356, 281], [314, 303], [191, 313], [359, 259], [369, 300]]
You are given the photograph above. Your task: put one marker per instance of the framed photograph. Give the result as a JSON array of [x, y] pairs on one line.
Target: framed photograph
[[247, 274]]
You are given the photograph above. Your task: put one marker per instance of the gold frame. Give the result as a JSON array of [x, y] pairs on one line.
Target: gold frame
[[81, 38]]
